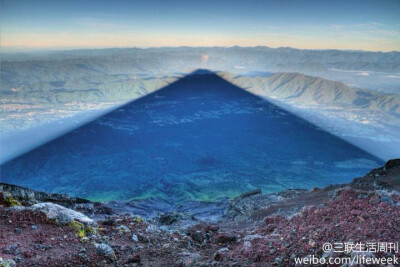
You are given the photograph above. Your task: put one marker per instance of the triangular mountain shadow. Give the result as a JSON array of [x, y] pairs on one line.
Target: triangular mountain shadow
[[200, 137]]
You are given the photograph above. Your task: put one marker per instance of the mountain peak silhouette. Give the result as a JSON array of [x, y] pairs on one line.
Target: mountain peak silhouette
[[201, 72], [200, 137]]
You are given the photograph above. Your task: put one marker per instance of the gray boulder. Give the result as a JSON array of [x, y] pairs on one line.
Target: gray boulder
[[62, 214], [105, 250]]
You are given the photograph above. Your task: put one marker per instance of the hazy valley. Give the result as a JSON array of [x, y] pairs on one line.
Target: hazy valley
[[65, 89]]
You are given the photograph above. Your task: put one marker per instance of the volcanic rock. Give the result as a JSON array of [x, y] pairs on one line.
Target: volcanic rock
[[62, 214]]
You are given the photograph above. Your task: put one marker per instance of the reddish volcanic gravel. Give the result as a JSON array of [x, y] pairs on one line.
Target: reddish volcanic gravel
[[30, 239], [363, 211], [350, 217]]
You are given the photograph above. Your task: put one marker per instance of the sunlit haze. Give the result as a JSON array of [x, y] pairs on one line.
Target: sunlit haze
[[355, 25]]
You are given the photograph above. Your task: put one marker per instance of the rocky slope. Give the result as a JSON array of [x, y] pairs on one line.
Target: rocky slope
[[256, 229]]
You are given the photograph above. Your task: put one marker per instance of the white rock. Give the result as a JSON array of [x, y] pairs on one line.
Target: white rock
[[151, 229], [62, 214], [106, 250], [135, 238], [7, 262], [247, 245], [252, 237]]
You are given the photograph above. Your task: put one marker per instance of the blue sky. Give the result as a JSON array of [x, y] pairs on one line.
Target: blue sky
[[365, 25]]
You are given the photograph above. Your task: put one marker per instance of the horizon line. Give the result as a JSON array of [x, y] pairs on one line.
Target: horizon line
[[25, 49]]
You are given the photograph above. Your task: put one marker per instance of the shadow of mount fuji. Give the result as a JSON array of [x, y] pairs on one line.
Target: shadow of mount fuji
[[198, 138]]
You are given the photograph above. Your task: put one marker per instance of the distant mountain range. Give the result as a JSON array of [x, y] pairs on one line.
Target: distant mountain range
[[373, 70], [306, 90]]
